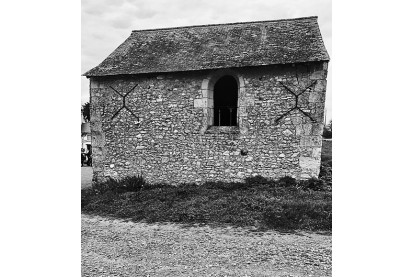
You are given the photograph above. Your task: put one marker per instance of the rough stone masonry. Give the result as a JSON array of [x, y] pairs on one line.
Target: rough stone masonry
[[152, 103]]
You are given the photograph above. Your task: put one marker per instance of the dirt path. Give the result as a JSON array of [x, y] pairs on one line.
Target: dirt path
[[117, 248]]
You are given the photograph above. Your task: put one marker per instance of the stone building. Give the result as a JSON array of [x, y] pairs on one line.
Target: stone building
[[212, 102]]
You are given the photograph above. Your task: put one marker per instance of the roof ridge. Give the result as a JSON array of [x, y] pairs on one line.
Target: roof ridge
[[222, 24]]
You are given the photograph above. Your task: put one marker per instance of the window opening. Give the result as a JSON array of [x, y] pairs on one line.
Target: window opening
[[225, 101]]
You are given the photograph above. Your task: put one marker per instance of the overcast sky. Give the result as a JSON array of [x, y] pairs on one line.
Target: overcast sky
[[107, 23]]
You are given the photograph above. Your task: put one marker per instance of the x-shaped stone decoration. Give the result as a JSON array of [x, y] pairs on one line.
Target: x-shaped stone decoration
[[124, 103], [296, 102]]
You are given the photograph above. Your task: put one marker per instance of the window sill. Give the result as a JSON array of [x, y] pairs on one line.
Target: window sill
[[223, 130]]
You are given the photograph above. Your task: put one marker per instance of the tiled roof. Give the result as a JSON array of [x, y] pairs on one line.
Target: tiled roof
[[216, 46]]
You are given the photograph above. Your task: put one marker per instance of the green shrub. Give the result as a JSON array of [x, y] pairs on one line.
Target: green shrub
[[148, 186], [108, 185], [286, 182], [326, 174], [259, 180], [327, 134], [312, 184], [326, 168], [132, 183], [127, 184]]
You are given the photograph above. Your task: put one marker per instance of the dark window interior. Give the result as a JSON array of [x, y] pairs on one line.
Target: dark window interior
[[225, 101]]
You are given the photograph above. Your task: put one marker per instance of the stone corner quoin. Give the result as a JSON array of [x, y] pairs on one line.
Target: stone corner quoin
[[162, 125]]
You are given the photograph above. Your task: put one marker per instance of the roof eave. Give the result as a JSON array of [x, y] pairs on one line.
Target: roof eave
[[88, 74]]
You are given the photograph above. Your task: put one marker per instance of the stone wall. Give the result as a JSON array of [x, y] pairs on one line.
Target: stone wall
[[159, 125]]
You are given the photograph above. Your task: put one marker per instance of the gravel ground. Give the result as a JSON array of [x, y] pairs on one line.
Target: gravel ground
[[113, 247]]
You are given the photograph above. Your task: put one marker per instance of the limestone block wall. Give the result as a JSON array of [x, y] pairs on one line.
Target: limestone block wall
[[159, 125]]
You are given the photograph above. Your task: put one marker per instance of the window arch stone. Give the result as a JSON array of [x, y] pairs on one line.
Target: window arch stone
[[207, 100]]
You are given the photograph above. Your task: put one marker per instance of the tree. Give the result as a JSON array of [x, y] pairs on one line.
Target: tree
[[328, 130], [86, 111], [330, 126]]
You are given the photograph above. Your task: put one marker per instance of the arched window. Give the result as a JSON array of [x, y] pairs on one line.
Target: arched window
[[221, 90], [225, 101]]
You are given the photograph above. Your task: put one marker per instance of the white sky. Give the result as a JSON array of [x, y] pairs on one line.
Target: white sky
[[107, 23]]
